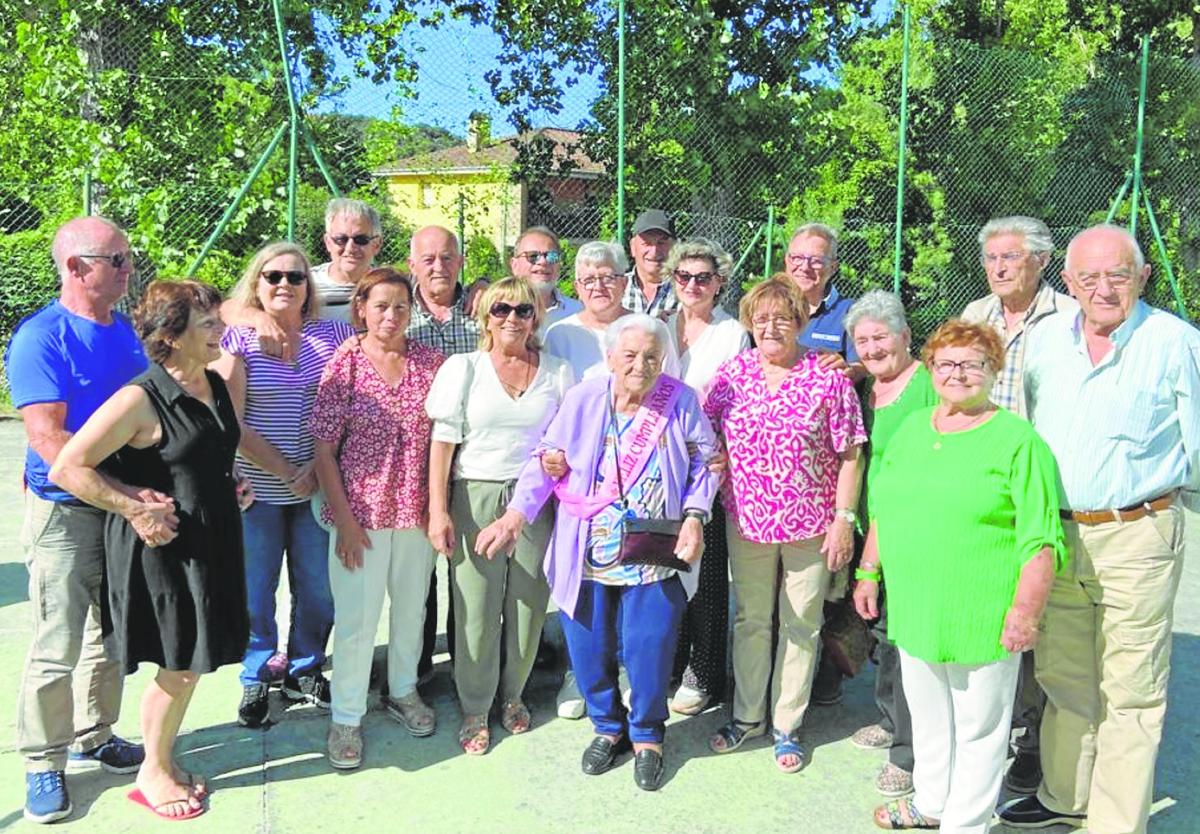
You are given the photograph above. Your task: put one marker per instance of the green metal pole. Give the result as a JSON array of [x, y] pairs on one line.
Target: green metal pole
[[903, 148], [770, 238], [753, 241], [621, 121], [1116, 205], [237, 200], [87, 193], [320, 160], [1166, 259], [462, 232], [293, 121], [1141, 132]]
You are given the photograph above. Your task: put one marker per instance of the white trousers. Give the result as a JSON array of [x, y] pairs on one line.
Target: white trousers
[[398, 563], [960, 722]]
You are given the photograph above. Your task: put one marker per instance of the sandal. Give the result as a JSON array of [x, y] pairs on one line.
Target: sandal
[[902, 815], [733, 734], [417, 717], [788, 744], [474, 737], [515, 717]]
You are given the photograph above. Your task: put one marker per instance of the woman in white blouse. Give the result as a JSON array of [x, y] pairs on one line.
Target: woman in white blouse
[[704, 336], [495, 404]]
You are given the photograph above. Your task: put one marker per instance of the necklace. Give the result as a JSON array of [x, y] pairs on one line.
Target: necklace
[[514, 391], [940, 427]]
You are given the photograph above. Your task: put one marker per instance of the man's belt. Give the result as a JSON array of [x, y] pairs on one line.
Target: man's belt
[[1133, 513]]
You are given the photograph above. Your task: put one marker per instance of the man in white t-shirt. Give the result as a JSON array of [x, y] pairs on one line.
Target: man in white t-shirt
[[353, 235], [537, 257]]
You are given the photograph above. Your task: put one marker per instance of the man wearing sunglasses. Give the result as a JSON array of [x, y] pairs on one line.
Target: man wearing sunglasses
[[649, 288], [538, 259], [63, 362]]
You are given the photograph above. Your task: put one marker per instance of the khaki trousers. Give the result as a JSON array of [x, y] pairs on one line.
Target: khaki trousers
[[70, 692], [1104, 662], [495, 600], [794, 579]]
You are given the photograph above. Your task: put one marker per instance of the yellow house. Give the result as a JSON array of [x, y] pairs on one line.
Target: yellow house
[[473, 183]]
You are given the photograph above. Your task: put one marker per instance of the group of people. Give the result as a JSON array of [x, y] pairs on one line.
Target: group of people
[[1004, 508]]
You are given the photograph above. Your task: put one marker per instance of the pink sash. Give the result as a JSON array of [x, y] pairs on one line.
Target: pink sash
[[649, 422]]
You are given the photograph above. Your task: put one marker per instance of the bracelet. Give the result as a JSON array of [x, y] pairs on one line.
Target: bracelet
[[873, 575], [847, 514], [700, 515]]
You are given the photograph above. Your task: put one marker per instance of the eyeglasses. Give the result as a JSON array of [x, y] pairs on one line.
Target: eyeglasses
[[501, 310], [818, 261], [969, 367], [606, 280], [778, 321], [1005, 257], [551, 257], [117, 259], [1117, 280], [292, 276], [702, 279], [359, 240]]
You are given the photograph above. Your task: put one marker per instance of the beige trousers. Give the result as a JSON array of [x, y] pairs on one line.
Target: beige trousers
[[794, 579], [70, 692], [1104, 662]]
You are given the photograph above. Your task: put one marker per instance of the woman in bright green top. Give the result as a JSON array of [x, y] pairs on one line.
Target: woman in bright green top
[[898, 386], [966, 527]]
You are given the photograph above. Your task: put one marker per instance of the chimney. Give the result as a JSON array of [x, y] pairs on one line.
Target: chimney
[[478, 130]]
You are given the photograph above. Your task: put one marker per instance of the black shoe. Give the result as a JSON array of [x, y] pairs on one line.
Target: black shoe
[[547, 657], [827, 683], [1025, 772], [601, 754], [1029, 812], [648, 769], [254, 708], [312, 689]]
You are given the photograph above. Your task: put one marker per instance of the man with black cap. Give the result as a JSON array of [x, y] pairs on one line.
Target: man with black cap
[[649, 288]]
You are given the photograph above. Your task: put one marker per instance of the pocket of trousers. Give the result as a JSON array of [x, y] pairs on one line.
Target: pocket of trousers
[[1143, 660]]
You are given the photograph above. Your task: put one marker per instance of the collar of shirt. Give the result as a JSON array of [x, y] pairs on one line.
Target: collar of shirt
[[831, 298], [635, 298], [1119, 337], [421, 308], [1045, 303]]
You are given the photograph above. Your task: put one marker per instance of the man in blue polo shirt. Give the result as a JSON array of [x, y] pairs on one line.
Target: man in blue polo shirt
[[811, 261], [64, 361]]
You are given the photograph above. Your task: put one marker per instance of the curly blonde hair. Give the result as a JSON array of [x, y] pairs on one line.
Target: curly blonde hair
[[959, 333]]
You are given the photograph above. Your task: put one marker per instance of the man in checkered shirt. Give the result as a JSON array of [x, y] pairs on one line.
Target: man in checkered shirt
[[649, 288], [440, 311]]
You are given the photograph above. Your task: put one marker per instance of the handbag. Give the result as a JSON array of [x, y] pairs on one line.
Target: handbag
[[846, 637]]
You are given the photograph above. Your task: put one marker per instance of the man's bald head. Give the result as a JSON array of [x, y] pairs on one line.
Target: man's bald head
[[435, 261], [83, 235]]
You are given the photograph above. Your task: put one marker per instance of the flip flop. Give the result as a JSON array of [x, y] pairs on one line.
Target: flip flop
[[137, 796]]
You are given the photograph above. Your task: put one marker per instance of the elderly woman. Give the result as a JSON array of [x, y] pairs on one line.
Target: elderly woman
[[898, 385], [275, 398], [704, 336], [158, 456], [599, 283], [492, 407], [965, 524], [792, 429], [372, 459], [636, 445]]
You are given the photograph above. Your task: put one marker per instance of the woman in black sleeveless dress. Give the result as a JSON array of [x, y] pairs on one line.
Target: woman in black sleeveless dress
[[159, 457]]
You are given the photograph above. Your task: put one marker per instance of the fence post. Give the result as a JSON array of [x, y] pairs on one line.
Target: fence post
[[1166, 259], [1116, 204], [621, 121], [311, 144], [746, 252], [1141, 132], [770, 238], [87, 193], [293, 121], [903, 148], [462, 231]]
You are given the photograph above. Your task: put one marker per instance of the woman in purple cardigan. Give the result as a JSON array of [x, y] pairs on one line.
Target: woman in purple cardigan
[[636, 445]]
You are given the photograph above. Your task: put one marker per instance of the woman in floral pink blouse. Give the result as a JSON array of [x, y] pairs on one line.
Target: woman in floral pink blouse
[[793, 432], [372, 459]]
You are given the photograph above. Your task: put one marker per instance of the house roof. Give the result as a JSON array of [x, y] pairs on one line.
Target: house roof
[[500, 152]]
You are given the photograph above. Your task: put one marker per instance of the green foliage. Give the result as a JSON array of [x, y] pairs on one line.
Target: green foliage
[[28, 281], [483, 260]]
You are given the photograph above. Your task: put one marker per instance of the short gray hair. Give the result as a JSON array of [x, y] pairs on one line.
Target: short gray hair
[[877, 305], [1139, 260], [1038, 240], [699, 247], [818, 230], [544, 231], [636, 321], [357, 209], [601, 253]]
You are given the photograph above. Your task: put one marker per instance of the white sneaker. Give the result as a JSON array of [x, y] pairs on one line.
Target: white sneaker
[[570, 702], [624, 686]]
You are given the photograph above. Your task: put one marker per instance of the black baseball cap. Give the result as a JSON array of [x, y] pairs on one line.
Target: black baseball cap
[[654, 219]]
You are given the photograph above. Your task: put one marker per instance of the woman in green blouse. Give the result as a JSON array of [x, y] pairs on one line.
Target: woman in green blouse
[[965, 525]]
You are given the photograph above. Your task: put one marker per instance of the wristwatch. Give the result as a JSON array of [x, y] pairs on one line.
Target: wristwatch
[[697, 514], [849, 515]]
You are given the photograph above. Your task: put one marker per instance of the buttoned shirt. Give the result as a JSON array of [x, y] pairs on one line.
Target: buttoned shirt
[[826, 328], [559, 308], [1126, 429], [457, 334], [1008, 392], [664, 303]]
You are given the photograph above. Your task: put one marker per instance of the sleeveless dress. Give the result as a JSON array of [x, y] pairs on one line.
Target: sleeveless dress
[[183, 605]]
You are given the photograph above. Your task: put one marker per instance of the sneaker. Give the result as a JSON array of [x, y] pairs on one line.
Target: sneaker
[[115, 755], [46, 797], [312, 689], [689, 701], [827, 684], [344, 745], [1025, 773], [1029, 812], [570, 702], [254, 708], [893, 781], [872, 737], [625, 687]]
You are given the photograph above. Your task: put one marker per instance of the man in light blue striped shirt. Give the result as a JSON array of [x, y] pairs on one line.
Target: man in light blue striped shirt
[[1113, 391]]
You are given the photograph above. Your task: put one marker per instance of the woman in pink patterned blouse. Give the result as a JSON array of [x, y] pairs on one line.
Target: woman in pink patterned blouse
[[793, 431], [372, 459]]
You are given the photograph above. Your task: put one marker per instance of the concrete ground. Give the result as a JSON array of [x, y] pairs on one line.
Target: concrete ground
[[279, 781]]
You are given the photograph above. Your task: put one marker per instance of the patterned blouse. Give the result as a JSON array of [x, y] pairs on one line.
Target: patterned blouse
[[784, 447], [384, 434]]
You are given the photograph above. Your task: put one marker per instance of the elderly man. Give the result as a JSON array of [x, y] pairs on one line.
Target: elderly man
[[649, 288], [440, 318], [1113, 391], [811, 261], [537, 257], [63, 362], [1015, 252]]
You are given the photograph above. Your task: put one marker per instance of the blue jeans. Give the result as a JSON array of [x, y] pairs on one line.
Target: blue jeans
[[644, 619], [268, 530]]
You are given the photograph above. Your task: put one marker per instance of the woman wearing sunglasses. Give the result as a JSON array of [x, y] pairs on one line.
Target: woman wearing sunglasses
[[704, 337], [492, 406], [275, 398]]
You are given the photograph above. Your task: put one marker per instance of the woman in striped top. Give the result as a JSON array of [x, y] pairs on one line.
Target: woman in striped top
[[275, 399]]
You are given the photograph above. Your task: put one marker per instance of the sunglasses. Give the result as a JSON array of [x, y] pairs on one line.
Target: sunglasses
[[359, 240], [702, 279], [501, 310], [551, 257], [117, 259], [293, 276]]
